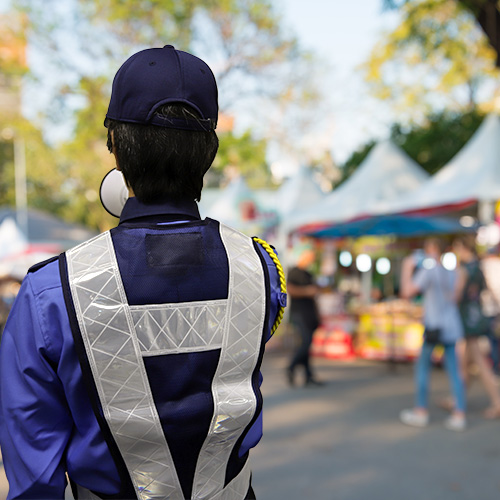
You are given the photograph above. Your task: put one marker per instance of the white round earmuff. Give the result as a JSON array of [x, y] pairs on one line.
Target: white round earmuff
[[113, 192]]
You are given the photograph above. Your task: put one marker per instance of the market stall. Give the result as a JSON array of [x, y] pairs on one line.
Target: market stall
[[361, 314], [389, 330], [386, 329]]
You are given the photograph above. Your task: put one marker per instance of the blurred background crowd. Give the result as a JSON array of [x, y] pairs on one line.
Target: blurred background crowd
[[350, 132]]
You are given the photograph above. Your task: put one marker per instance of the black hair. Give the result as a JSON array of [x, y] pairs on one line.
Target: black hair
[[163, 163], [439, 243], [468, 241]]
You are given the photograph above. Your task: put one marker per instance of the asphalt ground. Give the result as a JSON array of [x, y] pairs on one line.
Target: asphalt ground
[[343, 441]]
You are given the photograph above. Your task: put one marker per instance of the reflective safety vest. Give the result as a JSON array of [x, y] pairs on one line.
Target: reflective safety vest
[[115, 337]]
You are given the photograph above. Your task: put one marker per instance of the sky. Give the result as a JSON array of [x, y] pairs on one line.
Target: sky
[[343, 33]]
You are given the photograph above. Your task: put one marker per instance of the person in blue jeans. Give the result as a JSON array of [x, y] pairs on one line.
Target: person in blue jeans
[[428, 277]]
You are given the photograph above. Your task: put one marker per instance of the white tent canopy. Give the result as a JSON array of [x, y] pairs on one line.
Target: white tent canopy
[[297, 192], [387, 173], [12, 238], [472, 174], [227, 208]]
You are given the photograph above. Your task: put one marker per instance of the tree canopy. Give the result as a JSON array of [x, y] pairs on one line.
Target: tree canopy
[[77, 46], [437, 58], [487, 13]]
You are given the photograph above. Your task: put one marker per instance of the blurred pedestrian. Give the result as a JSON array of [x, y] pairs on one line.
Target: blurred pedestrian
[[490, 265], [131, 363], [442, 323], [471, 285], [304, 315]]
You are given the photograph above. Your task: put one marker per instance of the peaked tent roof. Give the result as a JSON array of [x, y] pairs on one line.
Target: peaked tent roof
[[299, 191], [473, 174], [387, 173]]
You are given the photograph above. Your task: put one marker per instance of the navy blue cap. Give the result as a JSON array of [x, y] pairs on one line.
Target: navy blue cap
[[154, 77]]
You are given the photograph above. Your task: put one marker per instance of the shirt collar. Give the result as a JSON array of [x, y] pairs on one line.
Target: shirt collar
[[179, 210]]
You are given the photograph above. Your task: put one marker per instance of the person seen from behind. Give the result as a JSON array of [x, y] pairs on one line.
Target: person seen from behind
[[442, 326], [471, 286], [130, 364], [490, 265], [303, 314]]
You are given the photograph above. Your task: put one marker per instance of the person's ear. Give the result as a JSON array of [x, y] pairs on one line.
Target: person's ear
[[113, 149]]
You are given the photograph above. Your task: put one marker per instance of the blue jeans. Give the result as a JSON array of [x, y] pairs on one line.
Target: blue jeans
[[422, 374]]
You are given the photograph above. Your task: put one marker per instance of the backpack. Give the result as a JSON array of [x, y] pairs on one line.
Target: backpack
[[471, 310]]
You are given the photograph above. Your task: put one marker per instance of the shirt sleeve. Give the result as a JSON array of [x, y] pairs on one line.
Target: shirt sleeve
[[421, 279], [35, 423]]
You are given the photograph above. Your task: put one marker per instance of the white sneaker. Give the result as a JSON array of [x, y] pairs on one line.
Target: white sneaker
[[455, 423], [413, 418]]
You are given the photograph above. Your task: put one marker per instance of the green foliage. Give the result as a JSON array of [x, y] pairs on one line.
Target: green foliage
[[7, 195], [244, 155], [473, 5], [353, 162], [437, 58], [44, 179], [243, 40], [86, 158], [476, 5], [432, 145]]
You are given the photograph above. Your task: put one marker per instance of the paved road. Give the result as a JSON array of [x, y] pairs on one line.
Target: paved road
[[344, 442]]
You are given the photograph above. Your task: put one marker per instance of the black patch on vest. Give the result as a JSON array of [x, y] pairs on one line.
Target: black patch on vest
[[177, 250]]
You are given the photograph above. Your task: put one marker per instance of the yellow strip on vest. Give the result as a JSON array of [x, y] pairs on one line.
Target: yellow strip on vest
[[117, 336]]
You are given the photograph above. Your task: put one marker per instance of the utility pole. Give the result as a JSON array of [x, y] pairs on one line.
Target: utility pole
[[20, 180]]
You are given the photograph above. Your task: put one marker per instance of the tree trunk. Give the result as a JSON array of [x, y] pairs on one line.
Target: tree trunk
[[488, 16]]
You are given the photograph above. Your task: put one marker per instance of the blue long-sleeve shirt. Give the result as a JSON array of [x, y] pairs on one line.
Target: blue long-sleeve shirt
[[47, 425]]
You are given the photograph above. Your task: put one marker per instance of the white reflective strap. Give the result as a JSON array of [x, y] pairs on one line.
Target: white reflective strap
[[234, 398], [114, 356], [85, 494], [238, 488], [235, 490], [176, 328]]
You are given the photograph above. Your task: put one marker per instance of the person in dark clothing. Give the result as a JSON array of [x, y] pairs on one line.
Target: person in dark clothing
[[303, 314], [471, 284]]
